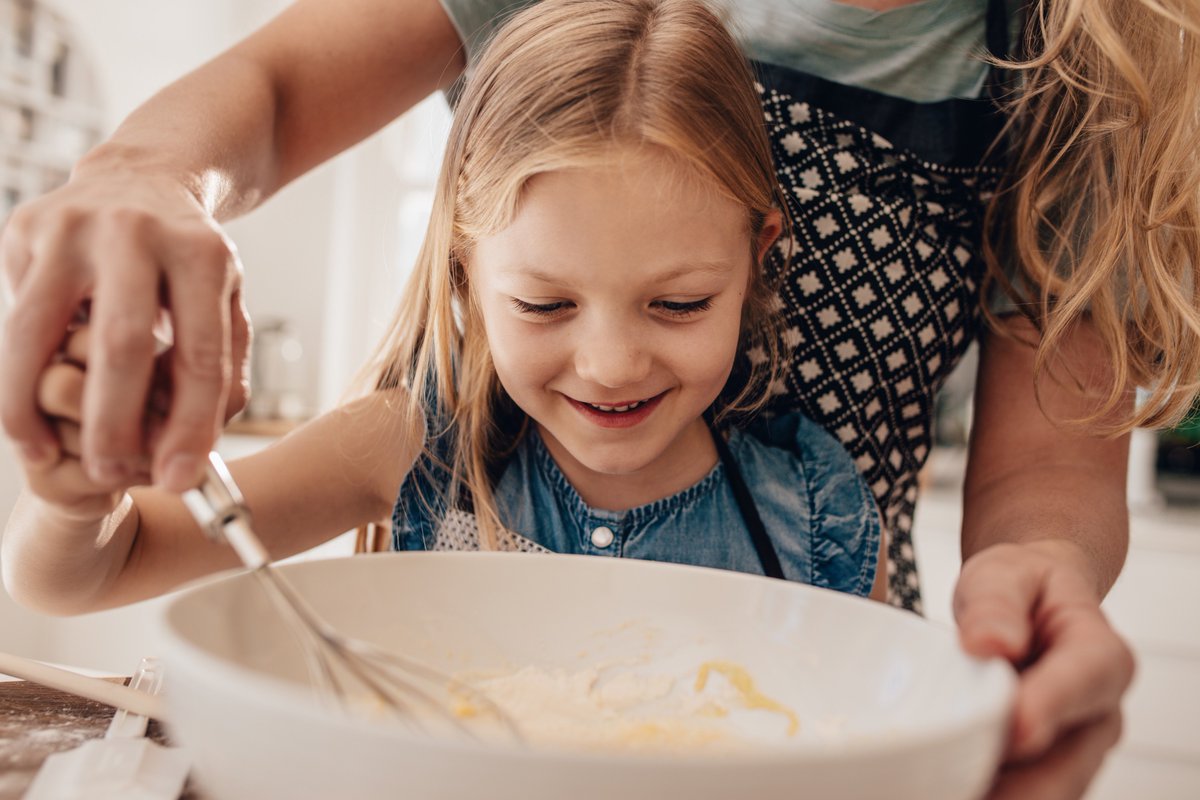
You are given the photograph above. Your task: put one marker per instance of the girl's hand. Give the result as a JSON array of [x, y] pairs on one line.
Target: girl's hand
[[1032, 604], [62, 483]]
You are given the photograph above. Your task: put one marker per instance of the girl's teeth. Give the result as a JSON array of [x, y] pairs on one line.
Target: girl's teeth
[[617, 409]]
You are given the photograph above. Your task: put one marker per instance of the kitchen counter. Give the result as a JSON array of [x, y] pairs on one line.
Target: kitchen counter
[[36, 722]]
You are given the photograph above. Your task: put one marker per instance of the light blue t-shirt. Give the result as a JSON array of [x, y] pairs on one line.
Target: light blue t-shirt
[[815, 507], [926, 51]]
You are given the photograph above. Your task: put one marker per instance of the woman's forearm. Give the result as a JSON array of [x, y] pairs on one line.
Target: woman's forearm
[[212, 132], [318, 78], [1031, 478], [1070, 510]]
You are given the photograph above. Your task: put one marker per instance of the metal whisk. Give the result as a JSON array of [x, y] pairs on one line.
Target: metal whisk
[[340, 667]]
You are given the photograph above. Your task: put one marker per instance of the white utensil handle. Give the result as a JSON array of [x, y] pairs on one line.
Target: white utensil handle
[[126, 724], [219, 508], [101, 691]]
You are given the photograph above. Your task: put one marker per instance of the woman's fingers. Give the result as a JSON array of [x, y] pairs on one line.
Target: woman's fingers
[[1083, 671], [1022, 603], [242, 335], [64, 482], [133, 246], [60, 396], [47, 290], [992, 604], [204, 276], [1066, 771], [120, 360]]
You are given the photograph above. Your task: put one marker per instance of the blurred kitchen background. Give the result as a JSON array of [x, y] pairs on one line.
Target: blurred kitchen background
[[325, 261]]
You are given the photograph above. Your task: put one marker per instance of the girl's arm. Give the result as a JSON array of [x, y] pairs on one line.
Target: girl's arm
[[137, 219], [338, 471], [879, 587], [1045, 531]]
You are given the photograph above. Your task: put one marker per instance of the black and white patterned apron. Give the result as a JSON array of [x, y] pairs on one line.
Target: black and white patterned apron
[[881, 296]]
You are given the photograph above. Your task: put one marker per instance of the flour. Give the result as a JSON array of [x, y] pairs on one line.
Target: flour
[[614, 707], [52, 736]]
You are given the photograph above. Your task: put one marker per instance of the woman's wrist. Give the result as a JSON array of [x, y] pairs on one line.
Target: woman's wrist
[[129, 163], [1055, 555], [114, 157], [1087, 533]]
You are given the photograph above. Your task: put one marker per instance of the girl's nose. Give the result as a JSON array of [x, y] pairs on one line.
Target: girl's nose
[[613, 355]]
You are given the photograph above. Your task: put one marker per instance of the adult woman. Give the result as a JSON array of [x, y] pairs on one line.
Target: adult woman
[[877, 322]]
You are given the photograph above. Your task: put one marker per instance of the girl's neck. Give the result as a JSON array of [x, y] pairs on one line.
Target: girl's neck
[[685, 463]]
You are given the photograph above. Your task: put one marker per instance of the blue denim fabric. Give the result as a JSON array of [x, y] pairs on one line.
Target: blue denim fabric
[[816, 508]]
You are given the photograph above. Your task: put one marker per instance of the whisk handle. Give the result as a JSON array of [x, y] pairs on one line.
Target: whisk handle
[[218, 506]]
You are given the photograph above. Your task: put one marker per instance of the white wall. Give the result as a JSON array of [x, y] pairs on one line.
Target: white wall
[[328, 253]]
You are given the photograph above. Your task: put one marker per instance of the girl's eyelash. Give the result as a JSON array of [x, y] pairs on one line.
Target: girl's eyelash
[[685, 309], [544, 309], [672, 307]]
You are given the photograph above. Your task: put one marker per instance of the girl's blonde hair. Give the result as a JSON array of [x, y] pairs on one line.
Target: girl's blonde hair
[[1100, 214], [562, 85]]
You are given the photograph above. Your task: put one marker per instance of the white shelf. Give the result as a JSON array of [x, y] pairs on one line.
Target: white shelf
[[63, 109], [49, 114], [35, 154]]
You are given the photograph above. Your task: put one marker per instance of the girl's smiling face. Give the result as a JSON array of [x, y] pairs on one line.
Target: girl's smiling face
[[612, 306]]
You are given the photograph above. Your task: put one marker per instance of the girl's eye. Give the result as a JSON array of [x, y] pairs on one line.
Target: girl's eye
[[678, 309], [539, 309]]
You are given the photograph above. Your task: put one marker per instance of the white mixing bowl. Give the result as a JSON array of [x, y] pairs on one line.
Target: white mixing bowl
[[888, 704]]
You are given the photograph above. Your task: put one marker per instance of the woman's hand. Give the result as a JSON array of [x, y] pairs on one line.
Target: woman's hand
[[1032, 605], [70, 540], [1045, 531], [63, 484], [133, 245], [134, 228]]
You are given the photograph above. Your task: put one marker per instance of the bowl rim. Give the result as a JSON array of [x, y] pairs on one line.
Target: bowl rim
[[291, 699]]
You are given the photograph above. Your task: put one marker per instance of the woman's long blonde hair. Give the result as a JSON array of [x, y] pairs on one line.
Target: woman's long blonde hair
[[1100, 214], [560, 86]]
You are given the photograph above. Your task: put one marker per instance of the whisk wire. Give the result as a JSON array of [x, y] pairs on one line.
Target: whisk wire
[[398, 683]]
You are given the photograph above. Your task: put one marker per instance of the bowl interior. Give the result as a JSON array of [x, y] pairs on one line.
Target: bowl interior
[[854, 671]]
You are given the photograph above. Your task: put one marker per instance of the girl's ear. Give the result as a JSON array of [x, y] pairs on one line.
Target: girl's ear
[[772, 227]]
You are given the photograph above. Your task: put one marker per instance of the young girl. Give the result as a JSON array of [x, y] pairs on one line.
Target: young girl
[[562, 375]]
